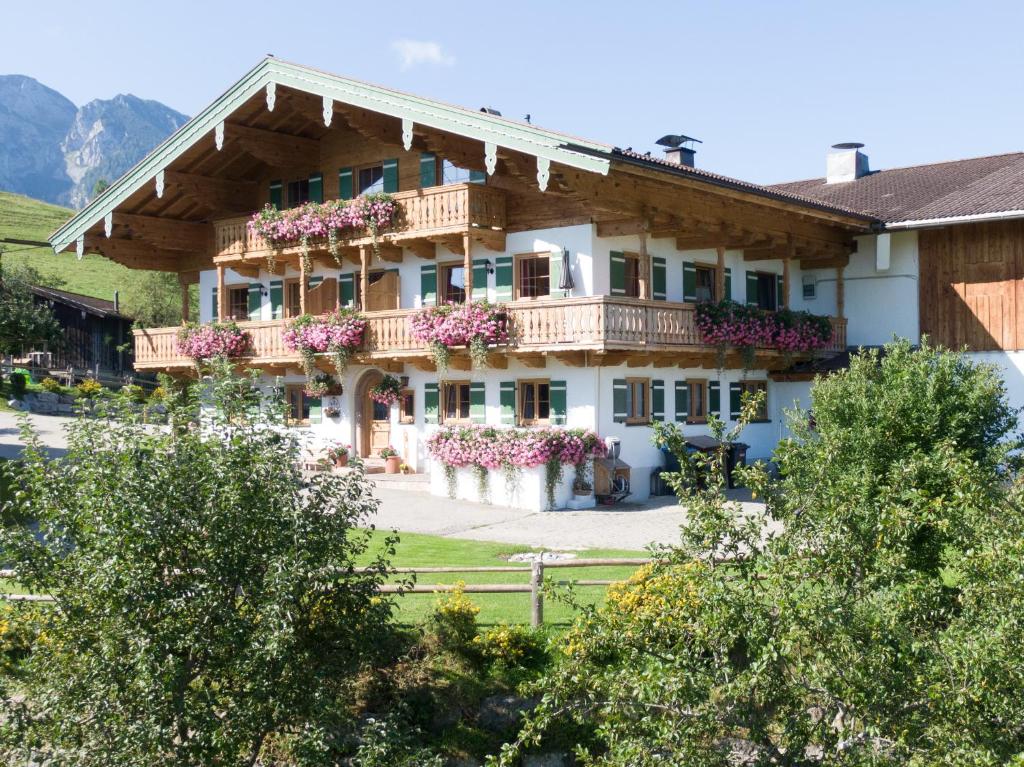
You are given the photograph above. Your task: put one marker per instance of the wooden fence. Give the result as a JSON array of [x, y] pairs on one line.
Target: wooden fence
[[535, 586]]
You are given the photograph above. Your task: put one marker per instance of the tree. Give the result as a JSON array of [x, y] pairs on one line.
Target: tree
[[153, 299], [872, 614], [100, 187], [208, 605], [25, 324]]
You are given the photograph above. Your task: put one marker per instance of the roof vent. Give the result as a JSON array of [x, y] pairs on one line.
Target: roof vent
[[679, 149], [490, 111], [846, 163]]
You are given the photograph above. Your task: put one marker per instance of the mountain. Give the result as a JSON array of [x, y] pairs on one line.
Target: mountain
[[54, 151]]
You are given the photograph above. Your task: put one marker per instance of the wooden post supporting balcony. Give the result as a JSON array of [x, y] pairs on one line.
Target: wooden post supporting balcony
[[185, 308], [785, 283], [840, 293], [467, 266], [222, 298], [364, 276], [303, 285], [720, 274]]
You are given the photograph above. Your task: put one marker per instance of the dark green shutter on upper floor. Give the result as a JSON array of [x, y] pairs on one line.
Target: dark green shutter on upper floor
[[316, 187], [276, 195], [689, 281], [428, 170], [480, 279], [555, 274], [315, 410], [215, 315], [502, 278], [715, 398], [477, 402], [752, 289], [618, 274], [735, 400], [390, 176], [345, 184], [431, 402], [507, 401], [619, 400], [277, 299], [428, 285], [557, 398], [346, 290], [657, 400], [255, 300], [682, 401], [658, 279]]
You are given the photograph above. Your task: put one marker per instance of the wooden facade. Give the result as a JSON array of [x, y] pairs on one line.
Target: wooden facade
[[972, 285]]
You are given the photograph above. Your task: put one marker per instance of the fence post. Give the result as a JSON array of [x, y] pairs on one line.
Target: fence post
[[537, 593]]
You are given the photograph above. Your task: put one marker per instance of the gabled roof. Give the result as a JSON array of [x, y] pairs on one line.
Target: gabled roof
[[940, 192], [96, 306]]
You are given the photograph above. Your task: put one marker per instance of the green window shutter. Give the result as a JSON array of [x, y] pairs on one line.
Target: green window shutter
[[502, 278], [428, 285], [216, 307], [751, 288], [507, 399], [276, 195], [345, 184], [431, 402], [715, 398], [428, 170], [619, 400], [316, 187], [555, 274], [658, 279], [479, 279], [255, 300], [557, 395], [346, 290], [618, 273], [780, 292], [682, 400], [277, 299], [477, 410], [316, 410], [728, 284], [689, 281], [657, 400], [478, 177], [390, 176], [735, 400]]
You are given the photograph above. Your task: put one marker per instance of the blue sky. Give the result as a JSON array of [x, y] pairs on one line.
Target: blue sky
[[767, 86]]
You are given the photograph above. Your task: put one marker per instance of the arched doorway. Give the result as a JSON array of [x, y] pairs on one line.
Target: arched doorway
[[373, 420]]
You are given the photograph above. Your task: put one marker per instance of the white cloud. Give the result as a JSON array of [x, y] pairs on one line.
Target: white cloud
[[412, 53]]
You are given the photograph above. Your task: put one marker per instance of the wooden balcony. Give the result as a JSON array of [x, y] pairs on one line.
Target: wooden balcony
[[606, 330], [436, 214]]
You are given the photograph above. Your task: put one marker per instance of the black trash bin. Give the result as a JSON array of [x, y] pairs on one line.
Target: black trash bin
[[736, 456]]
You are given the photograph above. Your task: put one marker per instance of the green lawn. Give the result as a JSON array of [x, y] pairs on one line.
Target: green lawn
[[417, 550]]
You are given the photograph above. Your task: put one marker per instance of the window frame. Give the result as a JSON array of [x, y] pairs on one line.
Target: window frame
[[287, 185], [702, 384], [755, 384], [632, 419], [517, 262], [643, 275], [229, 291], [772, 293], [286, 304], [443, 404], [289, 391], [709, 269], [356, 191], [534, 383], [443, 270], [407, 414]]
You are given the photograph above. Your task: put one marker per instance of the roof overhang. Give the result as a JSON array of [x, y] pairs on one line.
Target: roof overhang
[[927, 223]]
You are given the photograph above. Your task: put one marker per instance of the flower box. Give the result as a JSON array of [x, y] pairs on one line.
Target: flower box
[[529, 493]]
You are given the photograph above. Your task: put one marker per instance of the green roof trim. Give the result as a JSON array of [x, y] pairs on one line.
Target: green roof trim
[[578, 153]]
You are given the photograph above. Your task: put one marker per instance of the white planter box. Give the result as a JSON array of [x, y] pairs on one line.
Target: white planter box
[[529, 494]]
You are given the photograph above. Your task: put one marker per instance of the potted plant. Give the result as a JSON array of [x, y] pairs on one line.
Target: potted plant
[[388, 391], [331, 412], [339, 454], [405, 468], [391, 460]]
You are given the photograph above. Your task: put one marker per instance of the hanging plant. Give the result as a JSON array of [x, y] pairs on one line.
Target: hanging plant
[[483, 490], [338, 333], [387, 392], [476, 325], [217, 339]]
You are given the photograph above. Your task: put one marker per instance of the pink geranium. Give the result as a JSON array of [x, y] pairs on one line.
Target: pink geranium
[[315, 220], [460, 446], [203, 342]]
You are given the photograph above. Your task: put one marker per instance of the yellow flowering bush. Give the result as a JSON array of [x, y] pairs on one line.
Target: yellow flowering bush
[[453, 622], [89, 388], [17, 632], [510, 645], [51, 385]]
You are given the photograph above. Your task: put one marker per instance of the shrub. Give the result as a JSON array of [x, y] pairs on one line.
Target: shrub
[[452, 624], [511, 646], [133, 393], [18, 384], [51, 385], [159, 394], [18, 630], [89, 388]]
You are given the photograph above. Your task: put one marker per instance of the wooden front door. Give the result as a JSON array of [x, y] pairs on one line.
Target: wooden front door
[[382, 292], [376, 425]]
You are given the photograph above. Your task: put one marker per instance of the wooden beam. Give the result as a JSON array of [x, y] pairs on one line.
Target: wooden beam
[[136, 254], [720, 274], [252, 272], [576, 359], [364, 276], [214, 192], [785, 282], [303, 286], [824, 263], [467, 266], [492, 239], [390, 253], [422, 248], [222, 298], [538, 361], [840, 292], [609, 359], [460, 362], [497, 360], [170, 233], [278, 150]]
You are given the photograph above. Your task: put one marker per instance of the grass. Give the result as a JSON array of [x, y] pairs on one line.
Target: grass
[[418, 550]]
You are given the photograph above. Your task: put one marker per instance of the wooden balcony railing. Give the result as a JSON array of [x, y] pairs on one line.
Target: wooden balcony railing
[[431, 212], [597, 323]]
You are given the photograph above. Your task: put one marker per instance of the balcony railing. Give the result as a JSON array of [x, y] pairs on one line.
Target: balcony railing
[[596, 323], [422, 213]]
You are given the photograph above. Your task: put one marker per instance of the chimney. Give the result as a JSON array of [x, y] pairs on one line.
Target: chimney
[[846, 163], [679, 149]]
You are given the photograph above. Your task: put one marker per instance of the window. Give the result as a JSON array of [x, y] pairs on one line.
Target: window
[[698, 401], [633, 280], [455, 401], [534, 402], [370, 180], [810, 286], [292, 299], [298, 192], [767, 293], [452, 283], [407, 407], [638, 400], [533, 275], [706, 282], [298, 404], [238, 302], [749, 389], [453, 174]]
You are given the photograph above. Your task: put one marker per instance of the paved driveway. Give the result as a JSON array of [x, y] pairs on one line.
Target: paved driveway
[[50, 428]]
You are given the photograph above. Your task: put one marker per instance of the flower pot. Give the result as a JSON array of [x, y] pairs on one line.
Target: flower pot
[[391, 464], [341, 461]]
